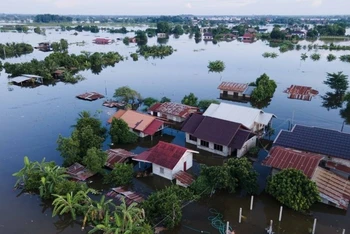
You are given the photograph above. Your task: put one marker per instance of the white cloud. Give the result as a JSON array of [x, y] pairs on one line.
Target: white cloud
[[314, 3]]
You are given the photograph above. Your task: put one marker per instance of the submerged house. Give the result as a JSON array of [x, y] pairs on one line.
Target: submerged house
[[142, 124], [255, 120], [172, 111], [218, 136], [116, 156], [26, 79], [101, 41], [79, 172], [235, 91], [332, 144], [334, 190], [166, 159], [248, 37], [301, 92], [44, 46], [162, 35], [208, 36]]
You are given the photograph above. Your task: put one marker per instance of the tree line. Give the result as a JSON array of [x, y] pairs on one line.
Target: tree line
[[49, 18], [13, 49]]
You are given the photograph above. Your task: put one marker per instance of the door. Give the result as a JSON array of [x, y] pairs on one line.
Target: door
[[185, 166]]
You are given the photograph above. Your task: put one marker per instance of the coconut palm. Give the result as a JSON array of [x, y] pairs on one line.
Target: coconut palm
[[71, 203]]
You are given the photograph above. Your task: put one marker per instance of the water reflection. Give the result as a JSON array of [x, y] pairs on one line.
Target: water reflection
[[332, 100], [262, 104], [162, 41]]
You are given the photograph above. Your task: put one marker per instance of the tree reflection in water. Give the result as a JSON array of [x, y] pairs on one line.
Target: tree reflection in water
[[260, 105], [335, 100]]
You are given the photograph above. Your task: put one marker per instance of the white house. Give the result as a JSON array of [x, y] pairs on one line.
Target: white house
[[218, 136], [162, 35], [172, 111], [254, 119], [167, 159]]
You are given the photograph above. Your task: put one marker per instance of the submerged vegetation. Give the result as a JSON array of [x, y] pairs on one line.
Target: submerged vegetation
[[10, 50], [315, 57], [265, 88], [155, 51], [216, 66], [270, 55], [331, 57], [345, 58]]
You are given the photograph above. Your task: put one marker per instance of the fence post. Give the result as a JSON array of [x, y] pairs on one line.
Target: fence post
[[280, 217], [251, 202], [314, 227], [227, 227], [240, 215], [343, 231]]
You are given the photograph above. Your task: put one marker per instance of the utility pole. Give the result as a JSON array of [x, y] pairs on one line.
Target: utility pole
[[342, 127]]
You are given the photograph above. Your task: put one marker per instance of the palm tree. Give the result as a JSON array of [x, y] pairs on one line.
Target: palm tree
[[71, 203]]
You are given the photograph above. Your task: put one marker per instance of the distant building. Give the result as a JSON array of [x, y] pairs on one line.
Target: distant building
[[208, 36], [162, 35], [299, 34], [235, 91], [172, 111], [248, 37], [301, 92], [101, 41]]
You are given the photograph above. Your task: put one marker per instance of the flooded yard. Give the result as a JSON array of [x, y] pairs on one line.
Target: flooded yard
[[32, 118]]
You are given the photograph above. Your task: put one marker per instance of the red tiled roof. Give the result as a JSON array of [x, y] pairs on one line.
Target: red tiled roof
[[338, 167], [284, 158], [117, 156], [153, 127], [164, 154], [248, 35], [232, 86], [184, 177], [332, 187], [172, 108]]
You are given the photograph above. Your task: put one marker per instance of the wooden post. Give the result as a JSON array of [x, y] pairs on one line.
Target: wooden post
[[280, 217], [270, 229], [251, 202], [240, 215], [314, 227], [227, 227], [343, 231]]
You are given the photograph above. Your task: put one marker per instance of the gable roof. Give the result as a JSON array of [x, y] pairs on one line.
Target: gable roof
[[284, 158], [232, 86], [172, 108], [332, 187], [317, 140], [117, 156], [135, 120], [164, 154], [246, 116], [216, 130]]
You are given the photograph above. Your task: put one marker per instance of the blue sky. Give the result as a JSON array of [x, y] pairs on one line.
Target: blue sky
[[174, 7]]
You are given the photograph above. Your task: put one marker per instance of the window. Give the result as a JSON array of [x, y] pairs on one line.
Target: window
[[192, 138], [161, 170], [204, 143], [218, 147]]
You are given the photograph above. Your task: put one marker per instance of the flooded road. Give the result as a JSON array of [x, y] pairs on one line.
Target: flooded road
[[32, 118]]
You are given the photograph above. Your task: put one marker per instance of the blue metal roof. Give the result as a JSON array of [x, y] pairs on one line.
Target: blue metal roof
[[249, 90], [317, 140]]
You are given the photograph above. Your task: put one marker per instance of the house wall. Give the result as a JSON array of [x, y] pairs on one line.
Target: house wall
[[170, 174], [169, 117], [231, 93], [246, 147], [225, 151]]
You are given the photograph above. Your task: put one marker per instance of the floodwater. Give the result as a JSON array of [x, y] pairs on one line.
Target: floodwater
[[32, 118]]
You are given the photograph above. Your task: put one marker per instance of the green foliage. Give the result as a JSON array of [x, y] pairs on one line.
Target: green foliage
[[315, 57], [134, 56], [122, 30], [178, 30], [303, 57], [237, 173], [216, 66], [277, 34], [345, 58], [331, 29], [269, 55], [70, 78], [60, 46], [155, 51], [149, 101], [121, 175], [166, 204], [37, 30], [265, 88], [120, 133], [66, 186], [190, 100], [126, 40], [127, 94], [205, 103], [48, 18], [337, 81], [151, 32], [165, 99], [51, 177], [254, 151], [331, 57], [1, 66], [293, 189], [95, 159], [163, 27], [10, 50], [141, 37], [22, 28]]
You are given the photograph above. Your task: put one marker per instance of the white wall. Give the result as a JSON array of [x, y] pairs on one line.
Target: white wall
[[167, 172], [225, 151], [246, 147], [341, 161]]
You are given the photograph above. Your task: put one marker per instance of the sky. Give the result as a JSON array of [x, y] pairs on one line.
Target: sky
[[176, 7]]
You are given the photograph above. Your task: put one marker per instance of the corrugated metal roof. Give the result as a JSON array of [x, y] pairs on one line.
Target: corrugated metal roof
[[172, 108], [301, 92], [332, 187], [184, 178], [164, 154], [337, 166], [129, 196], [154, 127], [79, 172], [232, 86], [246, 116], [317, 140], [20, 79], [215, 130], [284, 158], [117, 156], [249, 90], [90, 96]]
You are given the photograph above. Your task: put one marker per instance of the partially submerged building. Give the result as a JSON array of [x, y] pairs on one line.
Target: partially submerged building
[[116, 156], [90, 96], [142, 124], [79, 172], [121, 193], [172, 111], [166, 159], [218, 136], [101, 41], [253, 119], [301, 92], [27, 79], [235, 91]]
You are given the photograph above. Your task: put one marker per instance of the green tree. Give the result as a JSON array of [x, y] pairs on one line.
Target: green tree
[[95, 159], [64, 44], [216, 66], [337, 81], [205, 103], [277, 34], [37, 30], [190, 100], [293, 189], [178, 30], [265, 88], [165, 99], [141, 37], [127, 94], [121, 175], [331, 57], [97, 210], [126, 40], [86, 119], [120, 133], [163, 27], [149, 101]]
